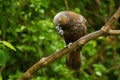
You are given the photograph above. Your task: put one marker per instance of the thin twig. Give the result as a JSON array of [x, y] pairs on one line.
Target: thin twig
[[114, 32], [113, 68], [66, 4], [107, 26]]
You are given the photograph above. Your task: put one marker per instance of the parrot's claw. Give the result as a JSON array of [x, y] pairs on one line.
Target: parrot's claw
[[69, 45]]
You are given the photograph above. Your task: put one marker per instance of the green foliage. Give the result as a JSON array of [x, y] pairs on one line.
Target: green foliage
[[4, 55], [1, 77], [8, 45], [90, 48], [27, 26]]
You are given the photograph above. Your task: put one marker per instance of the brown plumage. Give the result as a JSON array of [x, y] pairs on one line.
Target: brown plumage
[[71, 26]]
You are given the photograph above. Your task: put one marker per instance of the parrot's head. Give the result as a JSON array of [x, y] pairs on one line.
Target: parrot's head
[[63, 20], [60, 21]]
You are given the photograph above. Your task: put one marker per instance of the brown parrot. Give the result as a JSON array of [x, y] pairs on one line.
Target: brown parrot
[[71, 26]]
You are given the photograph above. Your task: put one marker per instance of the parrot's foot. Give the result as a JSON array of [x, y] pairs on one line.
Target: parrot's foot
[[69, 45]]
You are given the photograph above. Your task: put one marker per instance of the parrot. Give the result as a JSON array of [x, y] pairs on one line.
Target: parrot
[[71, 26]]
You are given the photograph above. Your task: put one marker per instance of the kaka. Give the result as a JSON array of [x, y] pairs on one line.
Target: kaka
[[71, 26]]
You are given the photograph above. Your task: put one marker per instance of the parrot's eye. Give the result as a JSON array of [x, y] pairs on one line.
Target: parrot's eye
[[60, 22]]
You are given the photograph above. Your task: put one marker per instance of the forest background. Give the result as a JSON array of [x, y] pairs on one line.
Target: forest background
[[27, 34]]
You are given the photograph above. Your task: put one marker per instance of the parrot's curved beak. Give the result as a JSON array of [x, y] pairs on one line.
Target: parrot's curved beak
[[57, 27], [60, 31]]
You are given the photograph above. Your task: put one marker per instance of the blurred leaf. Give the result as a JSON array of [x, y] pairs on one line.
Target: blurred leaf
[[90, 48], [77, 10], [15, 76], [8, 45], [99, 69], [4, 57], [0, 76], [98, 73]]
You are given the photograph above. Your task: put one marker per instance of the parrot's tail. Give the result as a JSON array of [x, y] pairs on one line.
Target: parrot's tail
[[73, 60]]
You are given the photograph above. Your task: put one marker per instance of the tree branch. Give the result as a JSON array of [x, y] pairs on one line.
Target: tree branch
[[46, 60], [114, 32], [107, 26], [66, 4]]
